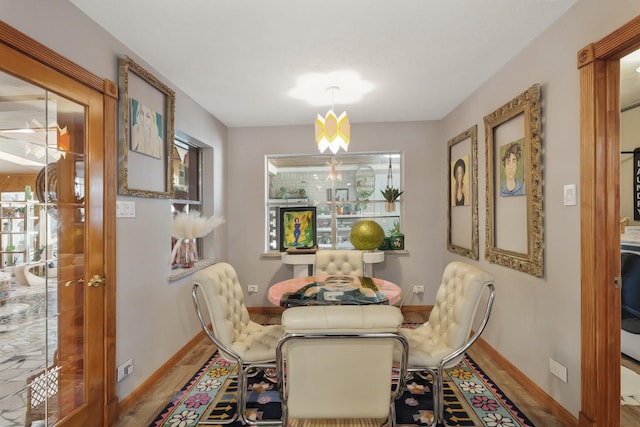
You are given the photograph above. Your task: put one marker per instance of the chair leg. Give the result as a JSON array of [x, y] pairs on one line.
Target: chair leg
[[241, 401], [438, 397], [242, 394], [243, 384], [392, 414]]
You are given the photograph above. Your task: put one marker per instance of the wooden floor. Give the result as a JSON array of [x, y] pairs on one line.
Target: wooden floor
[[148, 408], [630, 415]]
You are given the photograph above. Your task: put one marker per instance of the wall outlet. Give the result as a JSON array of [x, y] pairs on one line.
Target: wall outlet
[[253, 289], [558, 370], [125, 369], [418, 289]]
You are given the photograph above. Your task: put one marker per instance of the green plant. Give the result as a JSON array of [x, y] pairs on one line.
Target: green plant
[[37, 253], [391, 194], [364, 194], [284, 194], [395, 228]]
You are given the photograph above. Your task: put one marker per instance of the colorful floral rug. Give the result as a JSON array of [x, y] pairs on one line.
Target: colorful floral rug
[[471, 399]]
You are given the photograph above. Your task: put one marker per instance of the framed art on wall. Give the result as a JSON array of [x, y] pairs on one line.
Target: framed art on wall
[[297, 228], [462, 206], [514, 184], [145, 149], [342, 194]]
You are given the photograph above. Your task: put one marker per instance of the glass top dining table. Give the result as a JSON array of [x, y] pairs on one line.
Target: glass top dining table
[[333, 290]]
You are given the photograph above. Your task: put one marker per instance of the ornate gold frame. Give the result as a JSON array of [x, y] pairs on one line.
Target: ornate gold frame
[[471, 135], [526, 104], [150, 87]]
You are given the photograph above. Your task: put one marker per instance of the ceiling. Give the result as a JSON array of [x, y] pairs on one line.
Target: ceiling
[[240, 59]]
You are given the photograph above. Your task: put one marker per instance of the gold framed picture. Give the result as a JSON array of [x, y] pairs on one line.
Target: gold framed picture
[[462, 227], [514, 233], [145, 148]]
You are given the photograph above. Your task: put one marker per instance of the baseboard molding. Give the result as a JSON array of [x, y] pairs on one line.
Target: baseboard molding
[[265, 310], [416, 308], [532, 388], [136, 395]]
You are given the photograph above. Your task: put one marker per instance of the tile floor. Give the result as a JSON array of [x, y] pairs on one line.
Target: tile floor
[[28, 339]]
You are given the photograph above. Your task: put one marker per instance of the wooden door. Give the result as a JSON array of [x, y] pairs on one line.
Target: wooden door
[[599, 65], [54, 128]]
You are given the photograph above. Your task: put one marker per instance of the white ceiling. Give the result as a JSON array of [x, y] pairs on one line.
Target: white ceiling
[[239, 59]]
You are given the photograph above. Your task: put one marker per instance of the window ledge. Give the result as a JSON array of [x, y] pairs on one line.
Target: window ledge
[[278, 255], [179, 273]]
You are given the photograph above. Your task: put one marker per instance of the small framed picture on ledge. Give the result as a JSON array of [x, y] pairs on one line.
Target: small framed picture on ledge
[[297, 228]]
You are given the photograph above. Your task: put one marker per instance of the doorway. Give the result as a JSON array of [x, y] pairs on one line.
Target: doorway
[[599, 65], [57, 124]]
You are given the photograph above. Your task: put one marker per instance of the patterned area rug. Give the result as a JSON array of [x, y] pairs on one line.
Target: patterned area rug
[[471, 399]]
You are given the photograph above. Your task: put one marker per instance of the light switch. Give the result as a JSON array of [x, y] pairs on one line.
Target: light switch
[[570, 196], [125, 209]]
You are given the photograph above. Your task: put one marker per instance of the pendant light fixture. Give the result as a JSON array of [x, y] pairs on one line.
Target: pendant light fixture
[[333, 132]]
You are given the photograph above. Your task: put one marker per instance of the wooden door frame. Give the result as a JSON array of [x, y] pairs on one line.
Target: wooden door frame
[[20, 42], [599, 65]]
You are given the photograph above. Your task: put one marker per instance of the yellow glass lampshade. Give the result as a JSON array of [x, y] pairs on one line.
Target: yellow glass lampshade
[[333, 132]]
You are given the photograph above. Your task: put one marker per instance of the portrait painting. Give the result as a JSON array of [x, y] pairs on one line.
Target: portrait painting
[[460, 182], [512, 182], [146, 134], [146, 130], [514, 191], [462, 206], [297, 228]]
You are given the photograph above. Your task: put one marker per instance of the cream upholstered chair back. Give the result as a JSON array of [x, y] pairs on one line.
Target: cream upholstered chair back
[[457, 300], [232, 328], [339, 357], [331, 261], [224, 299]]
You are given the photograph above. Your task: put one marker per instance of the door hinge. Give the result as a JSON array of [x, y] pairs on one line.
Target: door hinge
[[617, 282]]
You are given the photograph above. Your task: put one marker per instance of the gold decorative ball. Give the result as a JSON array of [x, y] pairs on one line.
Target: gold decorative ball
[[366, 235]]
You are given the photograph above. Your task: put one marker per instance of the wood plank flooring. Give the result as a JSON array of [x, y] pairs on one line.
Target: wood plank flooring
[[143, 412]]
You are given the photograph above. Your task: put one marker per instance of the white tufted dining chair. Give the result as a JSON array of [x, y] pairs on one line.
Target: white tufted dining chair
[[442, 341], [336, 362], [248, 343], [330, 261]]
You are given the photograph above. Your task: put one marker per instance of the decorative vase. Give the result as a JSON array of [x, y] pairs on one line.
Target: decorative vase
[[390, 206], [187, 253], [385, 245], [397, 241]]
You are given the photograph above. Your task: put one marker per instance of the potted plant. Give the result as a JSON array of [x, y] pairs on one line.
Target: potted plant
[[396, 239], [391, 194], [363, 195]]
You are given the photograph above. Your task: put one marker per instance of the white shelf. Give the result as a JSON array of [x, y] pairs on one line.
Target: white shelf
[[17, 232]]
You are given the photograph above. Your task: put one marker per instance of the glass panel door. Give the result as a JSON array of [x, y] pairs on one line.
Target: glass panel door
[[43, 363]]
